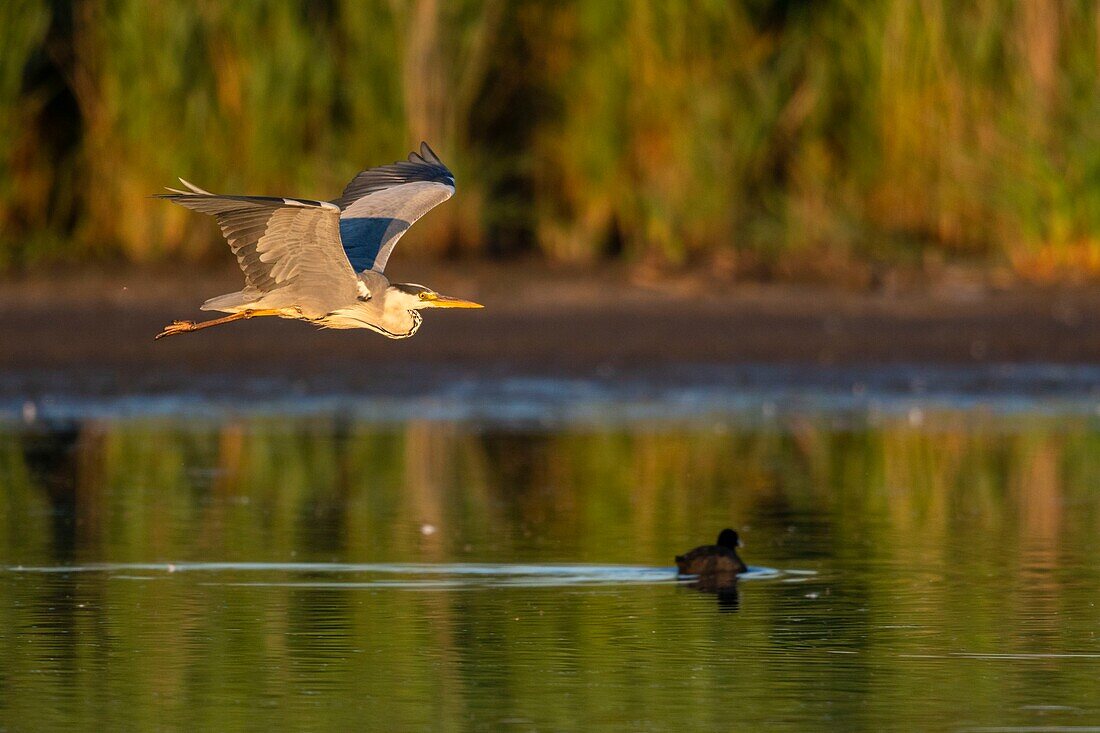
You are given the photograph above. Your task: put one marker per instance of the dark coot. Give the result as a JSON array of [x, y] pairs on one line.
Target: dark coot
[[712, 560]]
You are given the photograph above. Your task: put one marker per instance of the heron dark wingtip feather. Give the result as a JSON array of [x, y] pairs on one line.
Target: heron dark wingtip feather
[[427, 151]]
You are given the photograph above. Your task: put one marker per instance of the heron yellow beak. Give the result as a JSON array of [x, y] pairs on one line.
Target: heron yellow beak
[[446, 301]]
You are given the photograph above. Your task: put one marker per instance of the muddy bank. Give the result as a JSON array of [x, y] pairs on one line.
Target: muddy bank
[[92, 333]]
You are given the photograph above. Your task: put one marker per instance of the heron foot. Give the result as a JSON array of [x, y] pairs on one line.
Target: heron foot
[[174, 328]]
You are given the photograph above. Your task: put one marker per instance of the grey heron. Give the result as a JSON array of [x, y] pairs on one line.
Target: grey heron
[[323, 261]]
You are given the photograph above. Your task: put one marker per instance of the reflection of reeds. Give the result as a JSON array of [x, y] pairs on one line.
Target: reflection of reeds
[[947, 516], [606, 496], [790, 137]]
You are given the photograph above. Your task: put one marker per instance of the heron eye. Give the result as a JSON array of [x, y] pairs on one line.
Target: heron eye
[[425, 295]]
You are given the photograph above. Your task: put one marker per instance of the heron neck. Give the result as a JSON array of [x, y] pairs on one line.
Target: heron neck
[[401, 322], [389, 321], [396, 316]]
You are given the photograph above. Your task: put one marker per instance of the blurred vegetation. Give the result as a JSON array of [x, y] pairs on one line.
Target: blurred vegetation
[[263, 488], [763, 137]]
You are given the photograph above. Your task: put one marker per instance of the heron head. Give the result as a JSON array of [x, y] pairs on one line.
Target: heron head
[[415, 297], [728, 538]]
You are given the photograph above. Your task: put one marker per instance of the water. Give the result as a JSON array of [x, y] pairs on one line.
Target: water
[[929, 567]]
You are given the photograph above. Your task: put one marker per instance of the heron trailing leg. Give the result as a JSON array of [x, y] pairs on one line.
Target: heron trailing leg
[[188, 326]]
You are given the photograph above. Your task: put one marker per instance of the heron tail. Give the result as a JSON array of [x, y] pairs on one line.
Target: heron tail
[[230, 302]]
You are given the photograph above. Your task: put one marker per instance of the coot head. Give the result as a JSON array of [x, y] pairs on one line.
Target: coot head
[[729, 539]]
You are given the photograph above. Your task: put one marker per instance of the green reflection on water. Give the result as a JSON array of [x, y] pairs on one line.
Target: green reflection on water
[[957, 576]]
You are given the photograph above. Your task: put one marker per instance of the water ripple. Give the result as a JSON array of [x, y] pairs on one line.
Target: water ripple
[[444, 575]]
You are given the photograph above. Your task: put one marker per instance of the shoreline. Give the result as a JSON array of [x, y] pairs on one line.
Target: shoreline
[[91, 334]]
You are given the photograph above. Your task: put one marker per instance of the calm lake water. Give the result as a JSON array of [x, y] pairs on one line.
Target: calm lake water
[[924, 568]]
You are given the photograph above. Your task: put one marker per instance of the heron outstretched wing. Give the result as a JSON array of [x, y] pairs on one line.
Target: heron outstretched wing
[[380, 204], [289, 249]]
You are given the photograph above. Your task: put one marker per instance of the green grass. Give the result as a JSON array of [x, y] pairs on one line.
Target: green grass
[[780, 137]]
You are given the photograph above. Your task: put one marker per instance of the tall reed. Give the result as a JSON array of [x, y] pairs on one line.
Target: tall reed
[[772, 135], [23, 26]]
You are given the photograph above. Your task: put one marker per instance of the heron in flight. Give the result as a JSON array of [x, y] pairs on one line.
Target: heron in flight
[[323, 261]]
